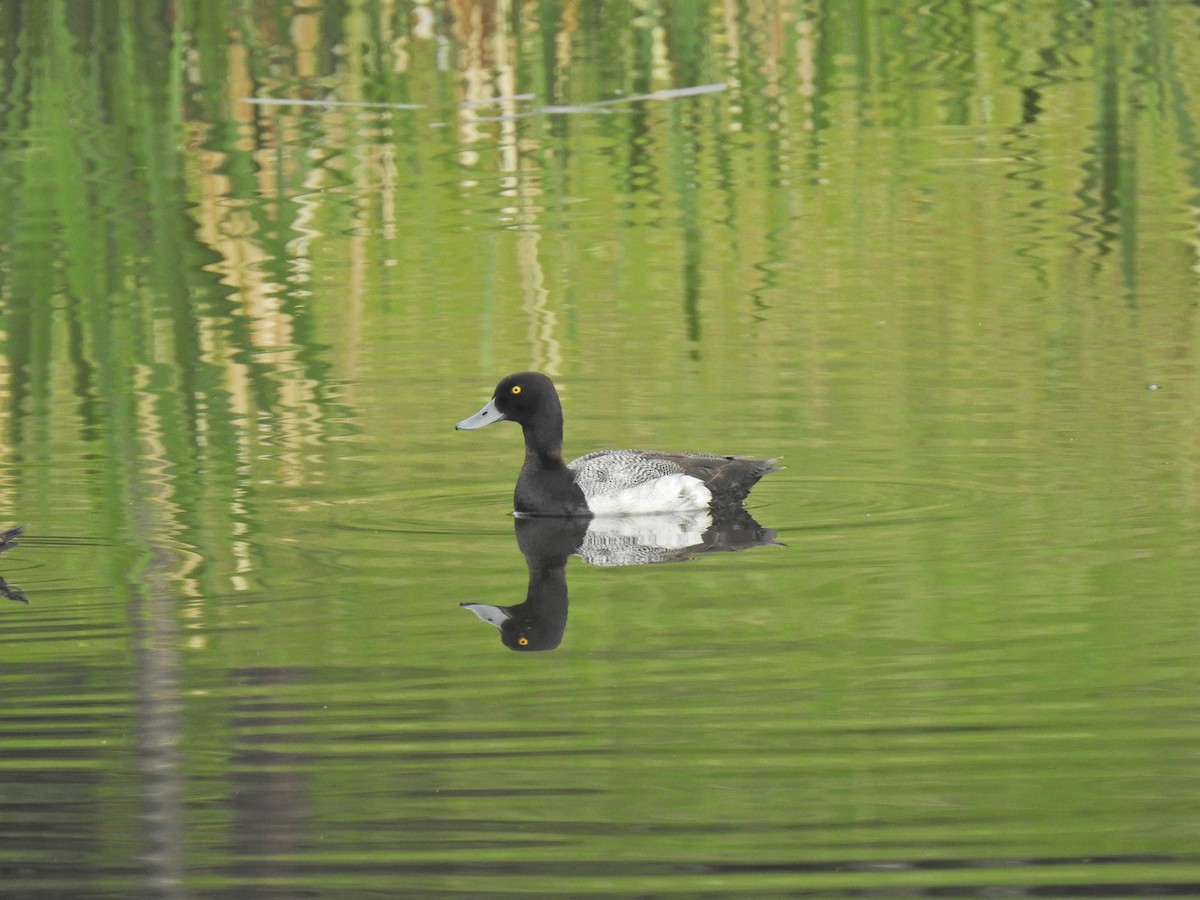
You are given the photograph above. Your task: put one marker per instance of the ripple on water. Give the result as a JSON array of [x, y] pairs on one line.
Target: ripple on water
[[811, 503], [459, 510], [785, 504]]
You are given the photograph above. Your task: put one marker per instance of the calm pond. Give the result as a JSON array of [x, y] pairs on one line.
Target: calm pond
[[256, 261]]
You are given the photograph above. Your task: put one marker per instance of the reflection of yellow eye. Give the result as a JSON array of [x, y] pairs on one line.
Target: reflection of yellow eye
[[516, 389], [522, 640]]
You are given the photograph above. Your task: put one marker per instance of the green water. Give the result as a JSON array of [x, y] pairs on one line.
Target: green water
[[942, 258]]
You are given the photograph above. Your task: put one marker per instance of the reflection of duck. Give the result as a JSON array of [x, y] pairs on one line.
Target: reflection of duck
[[607, 482], [674, 537], [547, 543]]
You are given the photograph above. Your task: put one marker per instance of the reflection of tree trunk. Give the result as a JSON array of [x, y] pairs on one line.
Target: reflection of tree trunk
[[156, 669], [269, 814], [270, 809], [156, 594]]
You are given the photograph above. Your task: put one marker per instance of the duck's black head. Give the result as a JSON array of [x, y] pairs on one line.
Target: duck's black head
[[526, 398], [546, 485]]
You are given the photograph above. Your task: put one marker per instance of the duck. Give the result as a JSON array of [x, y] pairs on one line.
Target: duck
[[606, 482]]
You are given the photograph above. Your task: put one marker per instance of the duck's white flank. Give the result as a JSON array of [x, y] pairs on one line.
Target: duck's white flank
[[630, 482], [666, 494]]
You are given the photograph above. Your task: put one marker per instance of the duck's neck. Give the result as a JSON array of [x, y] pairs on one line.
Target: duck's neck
[[544, 440], [546, 486]]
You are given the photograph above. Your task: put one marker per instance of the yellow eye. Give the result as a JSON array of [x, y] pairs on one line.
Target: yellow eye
[[522, 640], [516, 389]]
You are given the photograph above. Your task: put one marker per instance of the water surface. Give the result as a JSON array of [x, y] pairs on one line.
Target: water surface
[[942, 260]]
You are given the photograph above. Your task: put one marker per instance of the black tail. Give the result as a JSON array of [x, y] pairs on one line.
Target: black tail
[[730, 478]]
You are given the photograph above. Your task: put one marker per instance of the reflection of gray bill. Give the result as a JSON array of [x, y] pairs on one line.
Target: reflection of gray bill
[[8, 538], [14, 593], [493, 615], [485, 416]]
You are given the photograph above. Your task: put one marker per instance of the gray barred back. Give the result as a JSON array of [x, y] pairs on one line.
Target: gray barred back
[[729, 478], [608, 471]]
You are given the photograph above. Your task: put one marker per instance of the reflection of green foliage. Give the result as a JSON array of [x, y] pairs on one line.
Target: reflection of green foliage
[[104, 275], [103, 272]]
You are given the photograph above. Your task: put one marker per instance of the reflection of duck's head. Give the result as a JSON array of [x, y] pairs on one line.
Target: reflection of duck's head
[[522, 627], [539, 622]]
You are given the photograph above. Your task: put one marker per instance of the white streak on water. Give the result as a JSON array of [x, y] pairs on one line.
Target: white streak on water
[[289, 101], [600, 106]]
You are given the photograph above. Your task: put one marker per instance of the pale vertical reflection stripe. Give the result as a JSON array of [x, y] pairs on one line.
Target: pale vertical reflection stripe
[[231, 232], [378, 164], [221, 353], [307, 207], [7, 496], [151, 486], [489, 80], [506, 82], [545, 348]]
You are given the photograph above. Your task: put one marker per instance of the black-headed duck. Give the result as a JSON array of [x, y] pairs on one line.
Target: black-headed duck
[[606, 482]]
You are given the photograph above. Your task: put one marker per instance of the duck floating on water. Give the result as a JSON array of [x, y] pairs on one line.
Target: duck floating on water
[[606, 482]]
